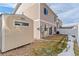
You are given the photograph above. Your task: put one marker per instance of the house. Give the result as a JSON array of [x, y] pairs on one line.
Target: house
[[16, 30], [45, 20], [28, 22]]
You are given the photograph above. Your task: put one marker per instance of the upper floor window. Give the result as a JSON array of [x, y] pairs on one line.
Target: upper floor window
[[45, 11]]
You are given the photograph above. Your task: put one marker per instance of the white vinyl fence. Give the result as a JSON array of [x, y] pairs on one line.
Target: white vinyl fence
[[78, 36], [70, 31]]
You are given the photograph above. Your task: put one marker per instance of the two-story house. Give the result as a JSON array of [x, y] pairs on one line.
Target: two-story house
[[45, 20]]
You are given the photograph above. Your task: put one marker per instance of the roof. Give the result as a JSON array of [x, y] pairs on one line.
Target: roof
[[17, 6]]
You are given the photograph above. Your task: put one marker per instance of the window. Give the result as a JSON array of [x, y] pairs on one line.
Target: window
[[54, 29], [45, 28], [50, 30], [20, 23], [45, 11]]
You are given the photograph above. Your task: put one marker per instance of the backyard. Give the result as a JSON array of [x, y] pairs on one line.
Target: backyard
[[49, 46]]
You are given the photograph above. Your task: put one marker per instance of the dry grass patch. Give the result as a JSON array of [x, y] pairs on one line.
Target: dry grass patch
[[76, 48], [50, 47], [56, 37]]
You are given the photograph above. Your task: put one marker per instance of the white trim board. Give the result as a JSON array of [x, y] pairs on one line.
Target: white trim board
[[3, 34], [45, 21]]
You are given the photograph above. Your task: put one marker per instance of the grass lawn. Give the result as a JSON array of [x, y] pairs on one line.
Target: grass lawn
[[50, 46], [76, 48]]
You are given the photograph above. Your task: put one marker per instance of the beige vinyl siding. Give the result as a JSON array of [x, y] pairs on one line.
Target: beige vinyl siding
[[45, 33], [32, 10], [17, 36], [51, 18], [35, 11], [51, 15]]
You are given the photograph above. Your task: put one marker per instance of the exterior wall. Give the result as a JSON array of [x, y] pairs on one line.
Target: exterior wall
[[16, 36], [0, 32], [48, 20], [35, 11], [51, 17], [37, 29], [44, 33], [31, 10], [59, 23]]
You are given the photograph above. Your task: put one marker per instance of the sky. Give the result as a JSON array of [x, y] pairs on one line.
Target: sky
[[67, 12], [6, 8]]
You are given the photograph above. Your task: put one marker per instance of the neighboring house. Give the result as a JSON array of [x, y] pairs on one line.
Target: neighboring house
[[45, 20]]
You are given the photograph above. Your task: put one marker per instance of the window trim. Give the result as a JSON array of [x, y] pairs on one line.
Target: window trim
[[45, 11], [21, 24]]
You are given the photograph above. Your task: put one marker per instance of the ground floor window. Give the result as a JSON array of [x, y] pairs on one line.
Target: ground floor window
[[45, 28], [54, 29], [50, 31]]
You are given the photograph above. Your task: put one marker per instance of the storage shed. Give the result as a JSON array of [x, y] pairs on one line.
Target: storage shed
[[15, 31]]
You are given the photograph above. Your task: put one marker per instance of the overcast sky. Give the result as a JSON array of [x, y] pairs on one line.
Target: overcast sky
[[67, 12]]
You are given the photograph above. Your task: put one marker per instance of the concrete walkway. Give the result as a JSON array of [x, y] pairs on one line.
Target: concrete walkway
[[69, 51]]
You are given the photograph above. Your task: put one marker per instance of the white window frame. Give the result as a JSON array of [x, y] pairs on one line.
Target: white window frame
[[19, 21]]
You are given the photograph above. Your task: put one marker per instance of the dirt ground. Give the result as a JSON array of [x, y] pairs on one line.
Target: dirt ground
[[26, 49]]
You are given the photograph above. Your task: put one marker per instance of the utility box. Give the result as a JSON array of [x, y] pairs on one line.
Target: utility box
[[15, 31]]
